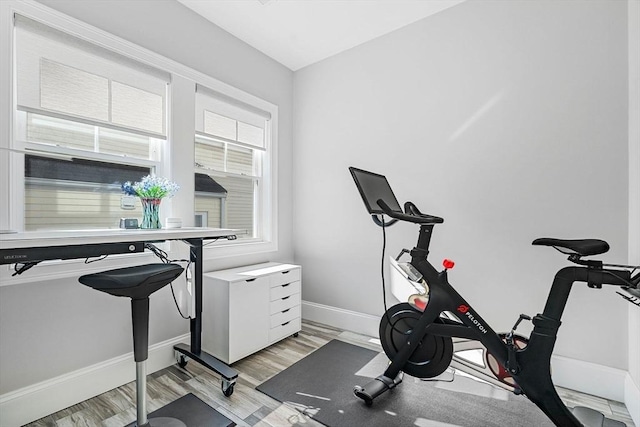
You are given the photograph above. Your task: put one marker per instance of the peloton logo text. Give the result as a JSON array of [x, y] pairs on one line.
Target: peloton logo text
[[464, 309]]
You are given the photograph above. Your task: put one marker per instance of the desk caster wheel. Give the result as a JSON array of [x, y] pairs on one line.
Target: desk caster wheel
[[227, 387], [295, 335], [181, 360]]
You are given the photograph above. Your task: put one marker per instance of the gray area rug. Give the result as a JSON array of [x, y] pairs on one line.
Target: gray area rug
[[321, 386]]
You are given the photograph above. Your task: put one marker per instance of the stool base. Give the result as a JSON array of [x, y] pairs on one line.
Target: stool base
[[163, 422], [191, 411]]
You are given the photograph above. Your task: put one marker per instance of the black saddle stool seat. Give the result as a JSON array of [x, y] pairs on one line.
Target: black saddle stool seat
[[138, 283]]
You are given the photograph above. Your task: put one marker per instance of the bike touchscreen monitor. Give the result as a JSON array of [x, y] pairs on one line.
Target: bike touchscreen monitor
[[373, 187]]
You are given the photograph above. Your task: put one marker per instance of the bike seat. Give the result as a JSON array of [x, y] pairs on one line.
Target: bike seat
[[581, 247]]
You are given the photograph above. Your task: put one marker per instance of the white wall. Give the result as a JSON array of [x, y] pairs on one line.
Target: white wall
[[58, 327], [509, 119]]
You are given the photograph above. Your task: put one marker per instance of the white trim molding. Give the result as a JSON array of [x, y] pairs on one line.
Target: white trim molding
[[35, 401], [348, 320], [632, 384], [587, 377], [632, 399]]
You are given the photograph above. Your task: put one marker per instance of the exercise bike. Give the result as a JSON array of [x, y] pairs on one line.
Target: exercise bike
[[419, 336]]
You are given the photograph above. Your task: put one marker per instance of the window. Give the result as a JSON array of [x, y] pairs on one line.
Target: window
[[90, 110], [92, 120], [74, 193], [230, 149]]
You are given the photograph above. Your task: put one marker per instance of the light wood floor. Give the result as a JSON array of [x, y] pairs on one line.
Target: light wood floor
[[247, 406]]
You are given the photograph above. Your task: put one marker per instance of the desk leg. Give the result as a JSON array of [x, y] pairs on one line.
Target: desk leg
[[229, 376], [196, 323]]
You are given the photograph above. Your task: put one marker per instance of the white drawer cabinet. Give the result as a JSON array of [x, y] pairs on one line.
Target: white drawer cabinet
[[249, 308]]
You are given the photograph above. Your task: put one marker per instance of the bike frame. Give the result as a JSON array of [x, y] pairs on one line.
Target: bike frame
[[530, 367]]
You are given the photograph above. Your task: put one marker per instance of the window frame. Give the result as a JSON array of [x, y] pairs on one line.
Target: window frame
[[174, 164]]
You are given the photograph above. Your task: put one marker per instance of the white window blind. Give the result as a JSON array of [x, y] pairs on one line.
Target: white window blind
[[63, 76], [230, 120]]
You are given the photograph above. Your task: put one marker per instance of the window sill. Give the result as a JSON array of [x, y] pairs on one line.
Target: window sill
[[225, 249]]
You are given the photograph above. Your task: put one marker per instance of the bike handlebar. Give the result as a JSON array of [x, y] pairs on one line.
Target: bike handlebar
[[412, 214]]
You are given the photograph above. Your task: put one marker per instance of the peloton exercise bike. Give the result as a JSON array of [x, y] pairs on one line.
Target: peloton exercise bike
[[419, 336]]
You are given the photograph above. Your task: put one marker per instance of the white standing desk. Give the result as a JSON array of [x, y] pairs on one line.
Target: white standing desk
[[30, 247]]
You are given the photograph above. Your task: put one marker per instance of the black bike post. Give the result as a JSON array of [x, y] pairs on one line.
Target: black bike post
[[535, 377]]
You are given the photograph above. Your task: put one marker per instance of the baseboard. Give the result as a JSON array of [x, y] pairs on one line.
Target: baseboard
[[591, 378], [585, 377], [353, 321], [632, 399], [33, 402]]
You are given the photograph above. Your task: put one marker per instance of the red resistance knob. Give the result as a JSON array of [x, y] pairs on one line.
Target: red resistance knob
[[447, 263]]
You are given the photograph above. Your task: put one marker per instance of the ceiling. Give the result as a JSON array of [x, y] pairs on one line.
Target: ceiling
[[298, 33]]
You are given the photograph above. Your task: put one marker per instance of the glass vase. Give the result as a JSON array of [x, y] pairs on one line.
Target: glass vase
[[150, 213]]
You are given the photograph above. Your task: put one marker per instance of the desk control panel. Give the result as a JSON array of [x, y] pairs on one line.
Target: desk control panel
[[250, 308], [37, 254]]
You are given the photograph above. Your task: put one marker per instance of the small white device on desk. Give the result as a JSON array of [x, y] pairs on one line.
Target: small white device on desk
[[173, 223]]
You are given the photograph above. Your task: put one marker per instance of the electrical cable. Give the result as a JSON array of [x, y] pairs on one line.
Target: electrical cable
[[175, 300], [383, 225], [23, 267], [384, 247], [89, 260], [628, 283], [164, 257]]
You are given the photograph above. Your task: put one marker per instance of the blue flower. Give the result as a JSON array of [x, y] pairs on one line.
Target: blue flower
[[128, 189], [151, 187]]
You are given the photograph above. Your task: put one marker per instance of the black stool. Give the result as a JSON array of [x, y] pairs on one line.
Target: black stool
[[138, 283]]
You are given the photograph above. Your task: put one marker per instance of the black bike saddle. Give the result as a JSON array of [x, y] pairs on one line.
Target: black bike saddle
[[581, 247]]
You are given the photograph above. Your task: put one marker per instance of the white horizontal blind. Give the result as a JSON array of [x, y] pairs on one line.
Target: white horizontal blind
[[229, 120], [61, 133], [63, 76]]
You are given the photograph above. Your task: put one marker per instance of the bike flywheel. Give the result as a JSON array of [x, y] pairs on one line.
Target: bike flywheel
[[433, 354]]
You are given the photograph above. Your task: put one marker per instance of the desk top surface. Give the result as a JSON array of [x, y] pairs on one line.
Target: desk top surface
[[79, 237]]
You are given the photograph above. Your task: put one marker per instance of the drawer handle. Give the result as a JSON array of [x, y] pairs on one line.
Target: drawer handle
[[285, 272], [286, 310], [284, 286], [285, 324], [286, 298], [250, 280]]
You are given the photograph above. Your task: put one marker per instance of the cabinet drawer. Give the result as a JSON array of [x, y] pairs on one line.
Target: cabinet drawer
[[284, 277], [283, 331], [281, 291], [285, 316], [284, 303]]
